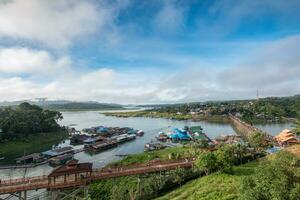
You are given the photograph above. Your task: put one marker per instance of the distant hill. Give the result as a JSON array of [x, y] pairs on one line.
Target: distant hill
[[84, 106], [66, 105]]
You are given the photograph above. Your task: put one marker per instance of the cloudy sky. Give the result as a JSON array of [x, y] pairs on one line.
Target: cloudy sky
[[151, 51]]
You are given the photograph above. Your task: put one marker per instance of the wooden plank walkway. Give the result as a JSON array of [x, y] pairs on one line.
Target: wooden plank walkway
[[247, 129], [41, 182]]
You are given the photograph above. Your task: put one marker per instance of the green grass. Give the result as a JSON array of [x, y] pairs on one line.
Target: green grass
[[217, 186], [37, 143], [148, 156]]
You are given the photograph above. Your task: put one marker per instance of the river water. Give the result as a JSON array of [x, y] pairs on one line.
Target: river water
[[150, 126]]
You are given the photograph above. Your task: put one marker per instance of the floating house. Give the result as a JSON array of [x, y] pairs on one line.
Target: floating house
[[58, 152], [178, 134], [123, 138], [78, 139], [60, 160], [32, 158], [101, 146], [94, 140]]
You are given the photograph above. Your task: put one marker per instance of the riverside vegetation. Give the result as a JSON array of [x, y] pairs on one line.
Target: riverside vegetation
[[27, 129], [266, 110], [218, 175], [152, 185]]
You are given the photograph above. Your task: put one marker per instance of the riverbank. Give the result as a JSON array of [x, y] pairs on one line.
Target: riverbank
[[150, 114], [37, 143]]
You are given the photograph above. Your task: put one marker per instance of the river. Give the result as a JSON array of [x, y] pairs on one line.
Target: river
[[151, 126]]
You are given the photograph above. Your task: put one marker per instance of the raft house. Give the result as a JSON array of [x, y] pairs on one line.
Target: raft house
[[31, 158], [193, 133], [57, 152]]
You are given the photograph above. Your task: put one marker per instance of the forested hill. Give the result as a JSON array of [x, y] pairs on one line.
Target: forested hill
[[25, 119], [270, 109], [64, 105], [84, 106]]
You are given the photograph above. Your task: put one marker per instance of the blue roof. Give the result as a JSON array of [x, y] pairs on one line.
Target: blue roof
[[103, 129], [179, 134], [49, 153]]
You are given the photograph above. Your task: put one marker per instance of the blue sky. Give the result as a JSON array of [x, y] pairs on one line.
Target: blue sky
[[150, 51]]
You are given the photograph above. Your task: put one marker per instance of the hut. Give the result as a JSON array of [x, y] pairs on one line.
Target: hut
[[72, 171]]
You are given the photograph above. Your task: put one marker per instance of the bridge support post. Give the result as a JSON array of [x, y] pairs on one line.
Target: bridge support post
[[20, 195], [86, 191], [25, 195], [53, 195]]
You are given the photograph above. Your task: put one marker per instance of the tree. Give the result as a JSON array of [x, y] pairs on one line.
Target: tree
[[206, 162], [226, 157], [296, 126], [274, 179], [26, 119], [258, 140]]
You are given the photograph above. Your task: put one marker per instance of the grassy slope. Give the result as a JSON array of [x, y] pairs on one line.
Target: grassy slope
[[12, 150], [215, 186], [219, 185]]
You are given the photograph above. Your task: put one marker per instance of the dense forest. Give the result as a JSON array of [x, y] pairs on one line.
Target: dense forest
[[25, 119]]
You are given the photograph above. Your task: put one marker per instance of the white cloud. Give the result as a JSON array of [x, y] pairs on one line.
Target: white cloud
[[53, 23], [28, 61], [169, 18], [273, 68], [275, 64]]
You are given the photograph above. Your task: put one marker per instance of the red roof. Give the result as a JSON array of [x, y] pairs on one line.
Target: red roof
[[72, 167]]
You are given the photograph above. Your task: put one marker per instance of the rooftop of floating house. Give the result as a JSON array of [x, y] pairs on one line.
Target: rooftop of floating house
[[179, 134]]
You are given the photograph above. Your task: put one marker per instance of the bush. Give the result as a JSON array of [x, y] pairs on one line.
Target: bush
[[276, 179]]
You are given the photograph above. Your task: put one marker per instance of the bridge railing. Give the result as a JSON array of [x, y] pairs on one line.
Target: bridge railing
[[22, 180]]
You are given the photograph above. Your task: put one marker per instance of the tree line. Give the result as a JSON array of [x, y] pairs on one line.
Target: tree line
[[25, 120]]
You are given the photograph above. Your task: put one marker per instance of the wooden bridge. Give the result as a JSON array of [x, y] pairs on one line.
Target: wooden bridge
[[17, 186], [245, 129]]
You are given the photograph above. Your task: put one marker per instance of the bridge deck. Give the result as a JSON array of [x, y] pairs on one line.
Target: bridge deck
[[39, 182]]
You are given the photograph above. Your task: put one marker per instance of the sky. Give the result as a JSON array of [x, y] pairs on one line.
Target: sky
[[149, 51]]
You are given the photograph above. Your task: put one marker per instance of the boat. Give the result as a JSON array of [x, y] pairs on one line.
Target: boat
[[154, 146], [162, 137], [140, 133]]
